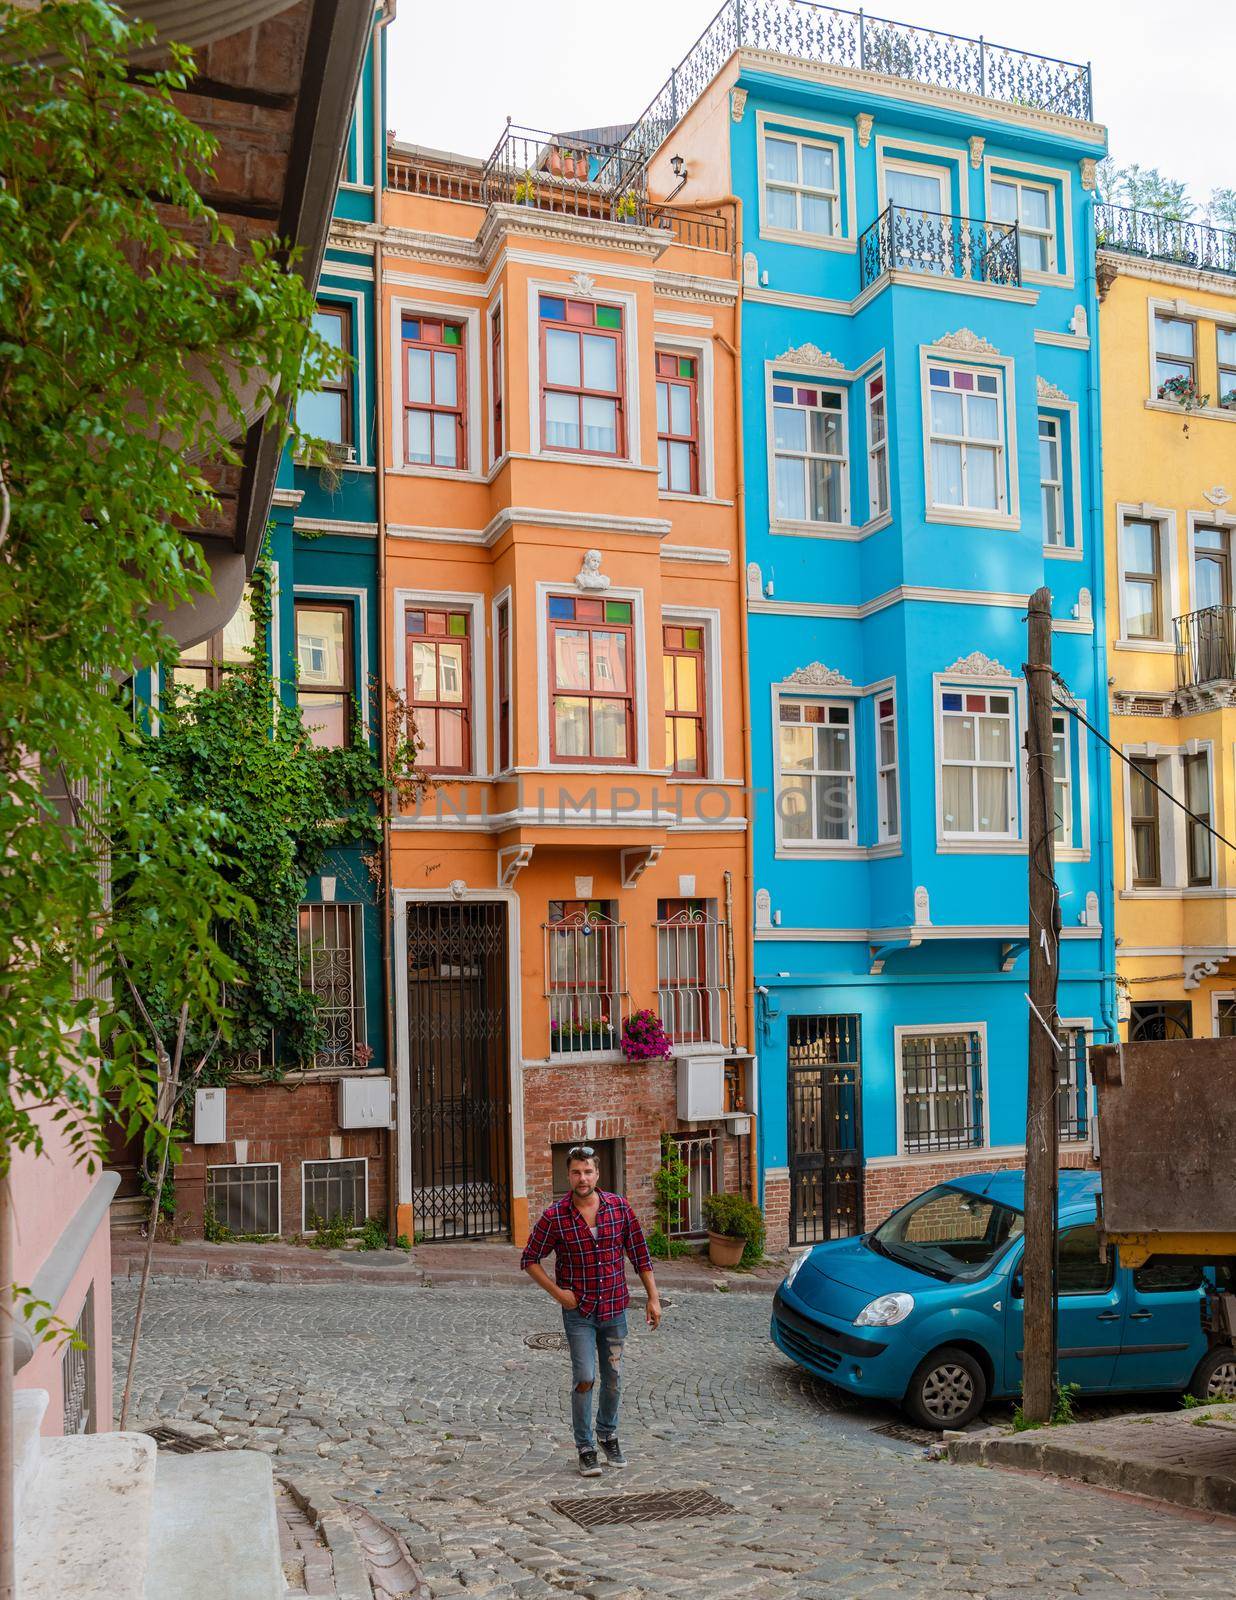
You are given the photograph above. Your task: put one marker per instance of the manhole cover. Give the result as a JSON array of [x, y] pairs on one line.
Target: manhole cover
[[546, 1341], [903, 1430], [668, 1506], [180, 1444]]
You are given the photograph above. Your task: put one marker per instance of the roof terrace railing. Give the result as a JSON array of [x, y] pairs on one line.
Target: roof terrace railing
[[1145, 233], [834, 37], [555, 173]]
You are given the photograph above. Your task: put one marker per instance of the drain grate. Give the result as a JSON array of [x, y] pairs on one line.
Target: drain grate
[[546, 1341], [179, 1444], [670, 1505]]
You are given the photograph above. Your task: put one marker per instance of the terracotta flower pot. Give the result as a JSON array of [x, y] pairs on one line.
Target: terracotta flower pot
[[723, 1251]]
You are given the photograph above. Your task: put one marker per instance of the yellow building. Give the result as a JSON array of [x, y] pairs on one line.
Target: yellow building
[[1168, 341]]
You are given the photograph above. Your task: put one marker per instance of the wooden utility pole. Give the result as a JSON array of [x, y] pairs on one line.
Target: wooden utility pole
[[1042, 1132]]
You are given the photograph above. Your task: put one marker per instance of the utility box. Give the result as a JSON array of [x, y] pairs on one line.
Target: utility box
[[701, 1088], [210, 1116], [365, 1103]]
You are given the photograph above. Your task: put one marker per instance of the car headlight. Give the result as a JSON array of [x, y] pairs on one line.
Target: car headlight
[[884, 1311], [796, 1266]]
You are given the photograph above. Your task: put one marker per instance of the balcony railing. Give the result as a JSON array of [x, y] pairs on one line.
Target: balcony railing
[[1206, 646], [833, 37], [692, 991], [698, 230], [552, 173], [585, 982], [1143, 233], [947, 247]]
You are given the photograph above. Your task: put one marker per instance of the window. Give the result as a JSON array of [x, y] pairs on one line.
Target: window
[[918, 206], [977, 766], [77, 1374], [1072, 1109], [686, 744], [877, 445], [967, 438], [244, 1199], [497, 371], [942, 1091], [504, 685], [815, 797], [698, 1153], [1079, 1268], [433, 407], [1163, 1275], [326, 413], [887, 798], [1062, 776], [332, 970], [204, 665], [1144, 821], [1197, 834], [1051, 480], [441, 688], [1212, 568], [1160, 1019], [801, 193], [1143, 581], [678, 442], [1225, 351], [581, 376], [1225, 1016], [810, 468], [324, 660], [585, 951], [1175, 347], [334, 1191], [1032, 207], [591, 650], [691, 985]]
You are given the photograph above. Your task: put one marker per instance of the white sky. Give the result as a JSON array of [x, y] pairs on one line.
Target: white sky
[[1162, 68]]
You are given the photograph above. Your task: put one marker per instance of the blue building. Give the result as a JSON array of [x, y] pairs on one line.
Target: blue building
[[920, 434]]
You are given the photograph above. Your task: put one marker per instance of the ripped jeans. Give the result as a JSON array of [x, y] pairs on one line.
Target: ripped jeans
[[594, 1345]]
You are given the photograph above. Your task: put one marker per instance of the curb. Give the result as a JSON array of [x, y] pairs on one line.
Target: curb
[[333, 1523]]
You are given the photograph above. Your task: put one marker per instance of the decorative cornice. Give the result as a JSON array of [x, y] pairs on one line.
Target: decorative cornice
[[692, 286], [1048, 391], [293, 497], [1111, 263], [968, 342], [818, 676], [977, 665], [625, 238], [810, 355]]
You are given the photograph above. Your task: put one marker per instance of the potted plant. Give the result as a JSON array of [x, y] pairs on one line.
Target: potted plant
[[525, 190], [626, 206], [580, 1033], [1185, 393], [644, 1038], [735, 1230]]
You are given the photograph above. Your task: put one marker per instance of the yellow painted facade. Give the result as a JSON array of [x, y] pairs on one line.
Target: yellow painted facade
[[1169, 477]]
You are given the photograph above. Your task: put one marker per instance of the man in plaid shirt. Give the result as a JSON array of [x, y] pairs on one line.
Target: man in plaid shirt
[[590, 1233]]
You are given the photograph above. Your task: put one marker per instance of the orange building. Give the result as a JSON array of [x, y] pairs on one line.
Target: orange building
[[562, 581]]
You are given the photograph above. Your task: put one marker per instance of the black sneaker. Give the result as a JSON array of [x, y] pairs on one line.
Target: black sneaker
[[613, 1452], [589, 1466]]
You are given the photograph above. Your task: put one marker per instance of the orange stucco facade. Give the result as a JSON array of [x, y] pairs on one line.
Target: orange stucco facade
[[553, 818]]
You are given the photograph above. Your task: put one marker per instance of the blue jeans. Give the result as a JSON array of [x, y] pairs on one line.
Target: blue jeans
[[594, 1344]]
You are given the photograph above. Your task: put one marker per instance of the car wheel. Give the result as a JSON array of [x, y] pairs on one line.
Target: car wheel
[[948, 1389], [1215, 1378]]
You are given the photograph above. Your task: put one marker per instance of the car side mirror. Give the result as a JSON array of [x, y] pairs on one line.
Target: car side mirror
[[1017, 1286]]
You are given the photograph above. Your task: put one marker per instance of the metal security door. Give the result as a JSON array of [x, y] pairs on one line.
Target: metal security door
[[826, 1135], [459, 1069]]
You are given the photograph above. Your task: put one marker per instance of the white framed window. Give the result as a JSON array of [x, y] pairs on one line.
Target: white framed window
[[815, 771], [877, 444], [888, 799], [810, 454], [1225, 355], [1073, 1088], [966, 453], [245, 1199], [1199, 856], [436, 422], [1032, 206], [1223, 1021], [801, 185], [1051, 480], [1175, 351], [942, 1083], [978, 763], [1141, 579], [1062, 782], [334, 1191]]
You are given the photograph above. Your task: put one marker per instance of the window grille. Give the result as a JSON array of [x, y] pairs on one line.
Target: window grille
[[334, 1191], [585, 975], [691, 973], [332, 969], [1072, 1101], [942, 1091], [698, 1152], [244, 1199], [77, 1373]]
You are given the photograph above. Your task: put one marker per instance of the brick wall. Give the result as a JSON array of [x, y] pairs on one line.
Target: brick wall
[[886, 1188], [776, 1211], [284, 1124]]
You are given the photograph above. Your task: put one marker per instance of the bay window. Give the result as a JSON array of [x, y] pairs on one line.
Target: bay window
[[324, 662], [801, 186], [815, 792], [810, 465], [678, 428], [326, 413], [1032, 207], [581, 376], [877, 445], [686, 750], [966, 436], [978, 766], [592, 696], [439, 686], [434, 404], [887, 798]]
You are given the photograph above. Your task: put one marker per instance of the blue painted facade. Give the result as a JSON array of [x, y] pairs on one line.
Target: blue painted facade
[[901, 923]]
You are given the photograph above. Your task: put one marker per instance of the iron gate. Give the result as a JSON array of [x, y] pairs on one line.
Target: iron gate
[[459, 1110], [826, 1130]]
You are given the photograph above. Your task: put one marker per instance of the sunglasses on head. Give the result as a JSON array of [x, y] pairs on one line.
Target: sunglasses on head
[[581, 1152]]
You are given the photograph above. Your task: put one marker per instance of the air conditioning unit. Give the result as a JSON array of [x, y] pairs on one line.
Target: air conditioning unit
[[210, 1116], [365, 1103], [701, 1088]]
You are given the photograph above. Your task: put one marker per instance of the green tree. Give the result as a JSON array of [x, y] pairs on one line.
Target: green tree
[[1221, 209], [1146, 189]]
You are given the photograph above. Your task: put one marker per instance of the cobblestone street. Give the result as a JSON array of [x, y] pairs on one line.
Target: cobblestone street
[[430, 1407]]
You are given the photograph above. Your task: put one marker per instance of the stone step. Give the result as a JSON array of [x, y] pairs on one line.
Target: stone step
[[214, 1534], [129, 1213], [28, 1408], [85, 1531]]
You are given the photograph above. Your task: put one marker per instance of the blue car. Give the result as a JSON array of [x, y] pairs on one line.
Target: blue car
[[927, 1309]]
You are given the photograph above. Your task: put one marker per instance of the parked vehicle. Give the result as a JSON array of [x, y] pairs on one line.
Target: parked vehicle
[[927, 1309]]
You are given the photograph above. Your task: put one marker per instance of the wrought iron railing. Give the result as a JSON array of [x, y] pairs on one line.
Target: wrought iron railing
[[698, 1153], [1073, 1092], [949, 247], [698, 230], [692, 990], [332, 969], [420, 172], [1206, 646], [585, 982], [942, 1091], [550, 172], [833, 37], [1145, 233]]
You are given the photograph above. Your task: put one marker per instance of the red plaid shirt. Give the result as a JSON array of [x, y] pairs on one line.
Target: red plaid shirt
[[593, 1269]]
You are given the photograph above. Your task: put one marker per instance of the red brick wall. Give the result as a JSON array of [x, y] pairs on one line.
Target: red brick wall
[[776, 1213], [287, 1124], [886, 1188]]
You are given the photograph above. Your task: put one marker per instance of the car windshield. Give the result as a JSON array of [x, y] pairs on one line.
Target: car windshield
[[949, 1233]]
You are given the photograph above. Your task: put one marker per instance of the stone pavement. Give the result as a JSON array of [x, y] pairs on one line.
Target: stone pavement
[[430, 1408], [1186, 1457]]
